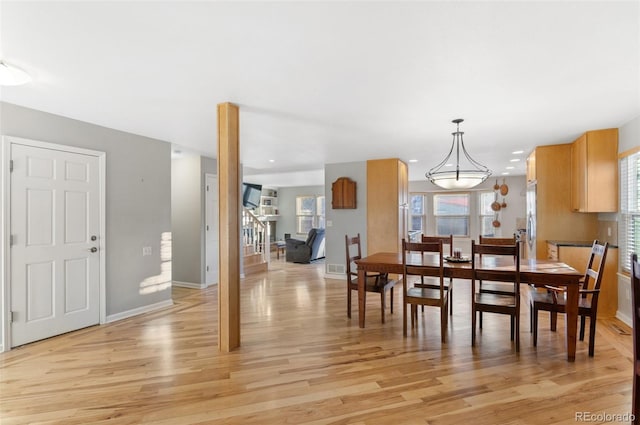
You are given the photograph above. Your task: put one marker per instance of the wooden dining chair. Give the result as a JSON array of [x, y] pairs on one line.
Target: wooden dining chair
[[485, 302], [635, 309], [500, 288], [434, 284], [375, 282], [554, 299], [415, 295]]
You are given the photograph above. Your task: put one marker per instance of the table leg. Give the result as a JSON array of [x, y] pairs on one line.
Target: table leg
[[362, 293], [572, 321]]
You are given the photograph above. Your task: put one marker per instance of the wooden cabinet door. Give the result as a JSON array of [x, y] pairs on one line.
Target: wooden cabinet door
[[531, 167], [579, 174]]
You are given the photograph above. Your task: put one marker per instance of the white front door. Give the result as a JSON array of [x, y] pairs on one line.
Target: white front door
[[55, 236], [211, 229]]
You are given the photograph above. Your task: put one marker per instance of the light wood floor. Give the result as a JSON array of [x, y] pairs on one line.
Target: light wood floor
[[302, 361]]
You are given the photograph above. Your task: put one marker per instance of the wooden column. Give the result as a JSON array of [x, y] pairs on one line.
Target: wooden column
[[229, 225]]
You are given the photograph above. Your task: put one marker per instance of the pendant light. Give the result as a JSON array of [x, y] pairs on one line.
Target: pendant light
[[466, 175]]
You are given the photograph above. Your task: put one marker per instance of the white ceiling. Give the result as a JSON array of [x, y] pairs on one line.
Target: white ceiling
[[331, 82]]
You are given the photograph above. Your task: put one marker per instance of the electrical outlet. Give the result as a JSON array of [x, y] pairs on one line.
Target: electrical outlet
[[146, 250], [608, 231]]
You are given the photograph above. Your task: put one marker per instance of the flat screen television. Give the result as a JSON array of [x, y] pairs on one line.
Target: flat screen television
[[251, 195]]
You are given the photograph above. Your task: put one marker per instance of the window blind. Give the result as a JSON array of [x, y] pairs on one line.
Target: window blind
[[629, 208]]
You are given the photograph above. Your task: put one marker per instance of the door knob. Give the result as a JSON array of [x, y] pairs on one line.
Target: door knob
[[94, 237], [93, 249]]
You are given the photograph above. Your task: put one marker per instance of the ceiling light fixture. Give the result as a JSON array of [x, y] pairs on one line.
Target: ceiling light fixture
[[464, 178], [12, 76]]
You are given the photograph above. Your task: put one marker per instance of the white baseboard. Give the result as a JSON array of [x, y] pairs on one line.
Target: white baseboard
[[140, 310], [624, 318], [1, 348], [188, 284], [335, 276]]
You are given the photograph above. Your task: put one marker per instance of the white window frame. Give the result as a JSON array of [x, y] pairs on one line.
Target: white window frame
[[483, 214], [423, 216], [629, 208], [317, 213], [438, 216]]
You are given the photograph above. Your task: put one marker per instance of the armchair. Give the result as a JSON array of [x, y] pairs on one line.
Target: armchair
[[298, 251]]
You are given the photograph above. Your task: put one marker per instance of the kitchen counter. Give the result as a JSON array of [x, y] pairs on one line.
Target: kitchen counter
[[576, 254], [576, 243]]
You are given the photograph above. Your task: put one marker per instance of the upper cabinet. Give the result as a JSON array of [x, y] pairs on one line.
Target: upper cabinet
[[594, 171], [531, 167], [343, 194]]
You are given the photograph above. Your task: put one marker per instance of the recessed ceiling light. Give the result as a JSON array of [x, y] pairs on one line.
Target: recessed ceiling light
[[509, 168], [517, 152], [413, 160], [272, 160], [515, 160], [505, 173]]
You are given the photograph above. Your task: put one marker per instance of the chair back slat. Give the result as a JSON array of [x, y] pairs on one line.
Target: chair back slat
[[481, 274], [354, 252], [595, 272], [446, 240]]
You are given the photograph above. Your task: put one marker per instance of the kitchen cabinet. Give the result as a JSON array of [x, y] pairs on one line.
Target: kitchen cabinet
[[594, 171], [576, 254], [554, 218], [387, 205], [343, 194], [531, 167]]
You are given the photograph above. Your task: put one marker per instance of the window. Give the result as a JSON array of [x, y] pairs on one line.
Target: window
[[417, 214], [487, 215], [451, 212], [309, 213], [629, 207]]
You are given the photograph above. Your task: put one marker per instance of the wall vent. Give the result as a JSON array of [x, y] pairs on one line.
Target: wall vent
[[335, 268]]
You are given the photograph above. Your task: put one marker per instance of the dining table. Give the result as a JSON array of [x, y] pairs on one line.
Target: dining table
[[532, 271]]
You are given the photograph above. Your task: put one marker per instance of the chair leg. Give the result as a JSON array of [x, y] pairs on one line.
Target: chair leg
[[443, 323], [382, 303], [534, 326], [348, 302], [391, 296], [473, 326], [513, 320], [516, 321], [592, 335], [450, 297], [480, 322], [554, 320], [583, 320], [404, 318]]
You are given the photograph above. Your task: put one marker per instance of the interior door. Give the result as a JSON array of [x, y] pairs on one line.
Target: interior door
[[55, 223], [211, 229]]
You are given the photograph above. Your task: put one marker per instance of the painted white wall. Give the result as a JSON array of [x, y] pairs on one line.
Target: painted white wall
[[138, 198]]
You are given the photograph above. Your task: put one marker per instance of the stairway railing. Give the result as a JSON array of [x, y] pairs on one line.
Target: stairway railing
[[255, 234]]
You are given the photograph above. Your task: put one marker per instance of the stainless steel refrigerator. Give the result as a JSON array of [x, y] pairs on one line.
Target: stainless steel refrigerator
[[530, 245]]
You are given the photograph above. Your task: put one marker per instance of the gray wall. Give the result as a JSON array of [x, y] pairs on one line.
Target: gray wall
[[348, 221], [188, 216], [138, 197], [186, 219], [628, 138]]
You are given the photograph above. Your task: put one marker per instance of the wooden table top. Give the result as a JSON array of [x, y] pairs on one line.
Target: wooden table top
[[531, 271]]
